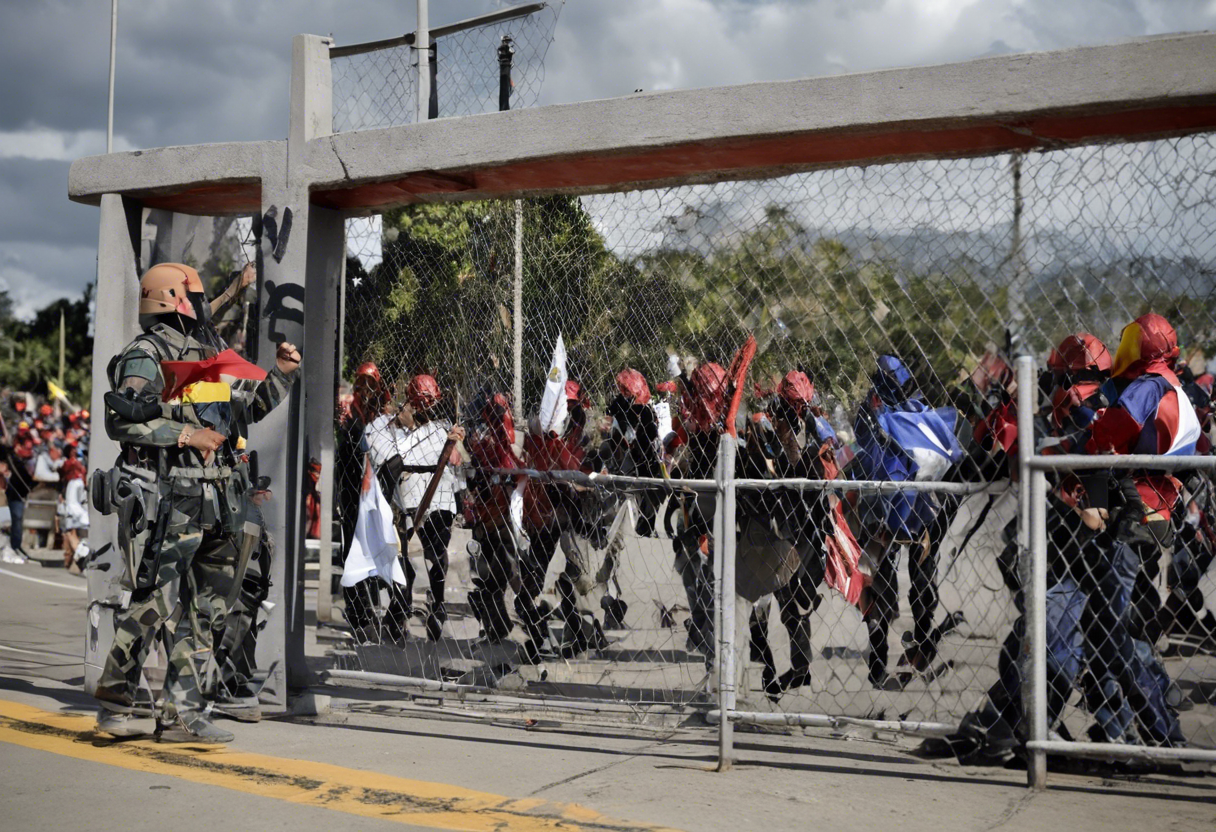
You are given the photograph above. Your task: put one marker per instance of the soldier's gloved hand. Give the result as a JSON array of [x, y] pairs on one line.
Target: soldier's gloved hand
[[287, 357], [205, 440]]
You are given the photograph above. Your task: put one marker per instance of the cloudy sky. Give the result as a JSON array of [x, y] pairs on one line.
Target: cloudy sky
[[191, 72]]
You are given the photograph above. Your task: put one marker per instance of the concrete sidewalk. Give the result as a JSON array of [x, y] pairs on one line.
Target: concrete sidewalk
[[658, 776]]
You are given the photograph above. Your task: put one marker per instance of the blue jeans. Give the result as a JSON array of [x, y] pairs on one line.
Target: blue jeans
[[17, 509]]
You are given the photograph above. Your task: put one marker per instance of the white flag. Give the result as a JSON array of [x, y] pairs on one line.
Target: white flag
[[553, 408]]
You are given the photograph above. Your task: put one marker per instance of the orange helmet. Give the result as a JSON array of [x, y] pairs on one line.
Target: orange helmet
[[164, 288], [423, 392]]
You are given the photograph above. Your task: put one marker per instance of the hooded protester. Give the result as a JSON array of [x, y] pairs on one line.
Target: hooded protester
[[1149, 413], [1076, 369], [792, 439], [494, 508], [405, 449], [369, 401], [901, 439], [75, 519]]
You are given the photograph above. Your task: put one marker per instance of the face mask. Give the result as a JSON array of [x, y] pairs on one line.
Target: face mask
[[202, 307]]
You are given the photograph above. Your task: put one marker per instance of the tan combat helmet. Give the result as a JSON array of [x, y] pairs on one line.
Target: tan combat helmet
[[164, 288]]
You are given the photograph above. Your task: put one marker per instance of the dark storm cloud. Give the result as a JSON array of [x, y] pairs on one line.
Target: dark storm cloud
[[34, 205], [191, 72]]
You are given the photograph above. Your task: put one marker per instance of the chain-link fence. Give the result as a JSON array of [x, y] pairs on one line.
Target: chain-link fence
[[379, 87], [885, 303]]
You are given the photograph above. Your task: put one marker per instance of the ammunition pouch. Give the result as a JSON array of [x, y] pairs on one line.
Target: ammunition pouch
[[134, 496]]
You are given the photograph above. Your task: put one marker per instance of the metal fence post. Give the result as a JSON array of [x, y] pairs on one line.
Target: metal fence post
[[1032, 499], [724, 572], [1036, 629]]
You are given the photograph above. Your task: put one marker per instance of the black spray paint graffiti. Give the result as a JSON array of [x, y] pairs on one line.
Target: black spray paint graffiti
[[286, 323]]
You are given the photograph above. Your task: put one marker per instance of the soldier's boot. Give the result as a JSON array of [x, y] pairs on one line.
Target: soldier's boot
[[877, 660], [124, 726], [192, 726], [241, 705]]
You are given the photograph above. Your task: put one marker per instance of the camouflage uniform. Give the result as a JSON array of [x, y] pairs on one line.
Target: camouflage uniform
[[202, 506]]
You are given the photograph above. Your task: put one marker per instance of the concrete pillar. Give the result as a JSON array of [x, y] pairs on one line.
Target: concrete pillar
[[117, 323], [279, 439], [326, 271]]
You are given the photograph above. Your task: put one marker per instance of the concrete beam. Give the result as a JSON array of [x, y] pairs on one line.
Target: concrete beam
[[1145, 88], [1141, 89], [195, 179]]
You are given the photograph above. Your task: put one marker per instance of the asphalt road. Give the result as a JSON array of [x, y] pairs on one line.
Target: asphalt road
[[378, 758]]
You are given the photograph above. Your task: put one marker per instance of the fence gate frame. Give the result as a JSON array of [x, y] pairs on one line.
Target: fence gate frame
[[1143, 89]]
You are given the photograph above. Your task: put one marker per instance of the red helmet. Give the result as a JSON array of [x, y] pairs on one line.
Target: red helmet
[[497, 414], [632, 385], [423, 392], [46, 410], [707, 400], [73, 469], [665, 387], [84, 414], [574, 393], [370, 394], [1079, 352], [796, 390], [1148, 345]]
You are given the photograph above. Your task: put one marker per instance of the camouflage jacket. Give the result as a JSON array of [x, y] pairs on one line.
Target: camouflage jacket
[[153, 444]]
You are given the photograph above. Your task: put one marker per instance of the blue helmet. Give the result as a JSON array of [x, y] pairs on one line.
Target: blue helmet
[[892, 380]]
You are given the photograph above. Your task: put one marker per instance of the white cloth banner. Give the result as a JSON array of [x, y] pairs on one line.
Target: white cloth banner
[[373, 551], [553, 407]]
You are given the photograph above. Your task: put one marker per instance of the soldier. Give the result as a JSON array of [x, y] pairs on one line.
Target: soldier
[[182, 490]]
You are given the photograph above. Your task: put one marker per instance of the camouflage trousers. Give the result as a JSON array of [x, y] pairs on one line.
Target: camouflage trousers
[[235, 651], [185, 607]]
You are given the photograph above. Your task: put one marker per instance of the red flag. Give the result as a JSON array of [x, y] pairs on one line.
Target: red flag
[[737, 376], [223, 367]]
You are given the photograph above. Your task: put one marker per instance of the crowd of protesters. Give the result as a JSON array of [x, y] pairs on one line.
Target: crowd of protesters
[[1109, 531], [44, 446]]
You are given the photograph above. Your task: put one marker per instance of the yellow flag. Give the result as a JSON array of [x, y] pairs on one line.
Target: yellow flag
[[56, 391]]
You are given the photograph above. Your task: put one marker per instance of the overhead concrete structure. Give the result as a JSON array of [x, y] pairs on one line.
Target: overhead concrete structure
[[1149, 88], [1143, 89]]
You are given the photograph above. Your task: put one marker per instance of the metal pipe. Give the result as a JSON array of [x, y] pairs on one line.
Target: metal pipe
[[517, 305], [874, 486], [1027, 388], [921, 729], [1080, 462], [1101, 750], [862, 486], [724, 568], [113, 59], [1035, 597], [392, 680], [422, 47], [506, 54], [510, 13], [477, 694]]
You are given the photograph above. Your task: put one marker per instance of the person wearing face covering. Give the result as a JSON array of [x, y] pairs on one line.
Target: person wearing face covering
[[1149, 413], [182, 490]]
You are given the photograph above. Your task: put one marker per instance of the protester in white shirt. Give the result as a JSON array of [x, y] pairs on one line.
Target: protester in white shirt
[[405, 451]]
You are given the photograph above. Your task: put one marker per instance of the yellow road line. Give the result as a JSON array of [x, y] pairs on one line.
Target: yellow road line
[[364, 793]]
